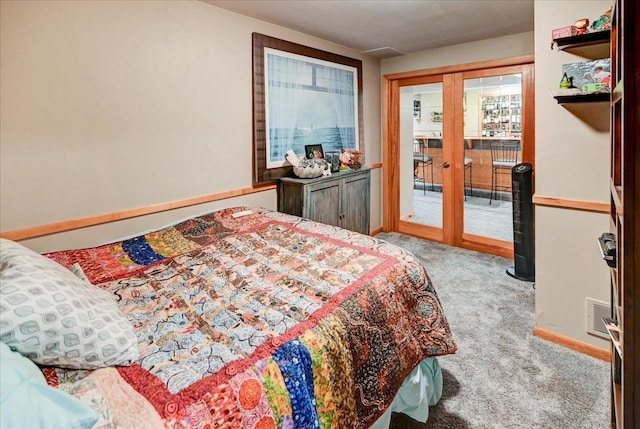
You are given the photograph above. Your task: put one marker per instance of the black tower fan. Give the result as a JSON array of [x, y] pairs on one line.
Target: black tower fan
[[523, 232]]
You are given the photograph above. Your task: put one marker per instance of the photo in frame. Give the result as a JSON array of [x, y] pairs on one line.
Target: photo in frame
[[312, 151], [302, 96], [333, 158], [588, 72]]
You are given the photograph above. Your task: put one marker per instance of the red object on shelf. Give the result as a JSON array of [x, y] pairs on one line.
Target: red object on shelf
[[568, 31]]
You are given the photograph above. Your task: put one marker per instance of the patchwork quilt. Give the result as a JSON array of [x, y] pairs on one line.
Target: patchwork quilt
[[264, 320]]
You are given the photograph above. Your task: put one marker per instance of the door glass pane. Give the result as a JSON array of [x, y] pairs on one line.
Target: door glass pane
[[421, 154], [492, 146]]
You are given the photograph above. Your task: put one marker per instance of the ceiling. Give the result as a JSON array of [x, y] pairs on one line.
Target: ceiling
[[386, 28]]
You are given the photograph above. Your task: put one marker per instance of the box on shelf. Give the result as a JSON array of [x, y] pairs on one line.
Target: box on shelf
[[568, 31]]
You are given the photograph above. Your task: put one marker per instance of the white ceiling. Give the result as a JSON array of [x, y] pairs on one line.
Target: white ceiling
[[392, 27]]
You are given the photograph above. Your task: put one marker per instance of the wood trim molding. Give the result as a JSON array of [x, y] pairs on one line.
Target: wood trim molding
[[502, 62], [68, 225], [390, 155], [572, 344], [376, 231], [566, 203], [375, 165]]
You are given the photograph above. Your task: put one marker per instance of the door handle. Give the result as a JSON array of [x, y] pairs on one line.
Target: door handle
[[445, 165]]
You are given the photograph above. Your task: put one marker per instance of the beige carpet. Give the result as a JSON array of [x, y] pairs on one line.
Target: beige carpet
[[502, 376]]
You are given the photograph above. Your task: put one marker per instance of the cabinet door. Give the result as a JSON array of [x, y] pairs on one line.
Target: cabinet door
[[355, 203], [322, 203], [290, 197]]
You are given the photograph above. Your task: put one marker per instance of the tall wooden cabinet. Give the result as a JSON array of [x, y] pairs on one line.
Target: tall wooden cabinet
[[340, 200], [624, 325]]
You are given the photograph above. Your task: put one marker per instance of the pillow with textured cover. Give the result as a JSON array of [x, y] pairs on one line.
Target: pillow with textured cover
[[53, 317]]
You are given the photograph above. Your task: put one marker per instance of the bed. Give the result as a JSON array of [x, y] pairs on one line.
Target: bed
[[242, 317]]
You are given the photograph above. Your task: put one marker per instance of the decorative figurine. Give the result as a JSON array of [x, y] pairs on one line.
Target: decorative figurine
[[354, 162], [582, 26], [604, 22], [345, 159], [564, 82]]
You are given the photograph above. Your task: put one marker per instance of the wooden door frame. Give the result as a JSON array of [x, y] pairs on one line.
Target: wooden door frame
[[391, 147]]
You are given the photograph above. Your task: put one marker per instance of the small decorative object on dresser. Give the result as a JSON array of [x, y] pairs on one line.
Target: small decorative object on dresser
[[345, 159], [311, 168], [333, 158], [354, 162], [314, 151]]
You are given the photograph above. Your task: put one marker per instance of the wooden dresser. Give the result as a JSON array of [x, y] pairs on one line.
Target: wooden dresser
[[341, 199]]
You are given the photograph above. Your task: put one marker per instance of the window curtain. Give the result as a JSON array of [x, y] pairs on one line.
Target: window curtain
[[285, 77], [341, 88]]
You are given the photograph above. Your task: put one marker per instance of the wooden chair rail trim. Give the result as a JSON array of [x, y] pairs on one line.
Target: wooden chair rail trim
[[589, 206], [68, 225], [570, 343]]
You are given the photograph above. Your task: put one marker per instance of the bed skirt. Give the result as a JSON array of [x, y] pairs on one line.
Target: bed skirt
[[420, 390]]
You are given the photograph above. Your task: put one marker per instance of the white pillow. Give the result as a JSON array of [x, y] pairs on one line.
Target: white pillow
[[55, 318]]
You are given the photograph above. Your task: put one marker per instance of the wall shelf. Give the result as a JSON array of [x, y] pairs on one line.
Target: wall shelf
[[595, 38], [583, 98], [590, 40]]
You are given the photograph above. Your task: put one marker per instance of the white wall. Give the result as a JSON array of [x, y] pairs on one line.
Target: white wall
[[482, 50], [429, 102], [116, 105], [572, 162]]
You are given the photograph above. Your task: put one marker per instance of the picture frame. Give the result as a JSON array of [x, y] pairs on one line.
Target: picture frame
[[301, 95], [586, 72], [313, 151], [333, 158]]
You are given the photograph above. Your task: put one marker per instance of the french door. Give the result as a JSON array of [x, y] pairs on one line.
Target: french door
[[446, 176]]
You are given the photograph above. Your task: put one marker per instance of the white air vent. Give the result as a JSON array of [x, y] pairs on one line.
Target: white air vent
[[596, 310], [385, 52]]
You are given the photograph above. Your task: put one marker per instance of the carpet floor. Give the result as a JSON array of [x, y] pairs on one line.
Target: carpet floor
[[502, 376]]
